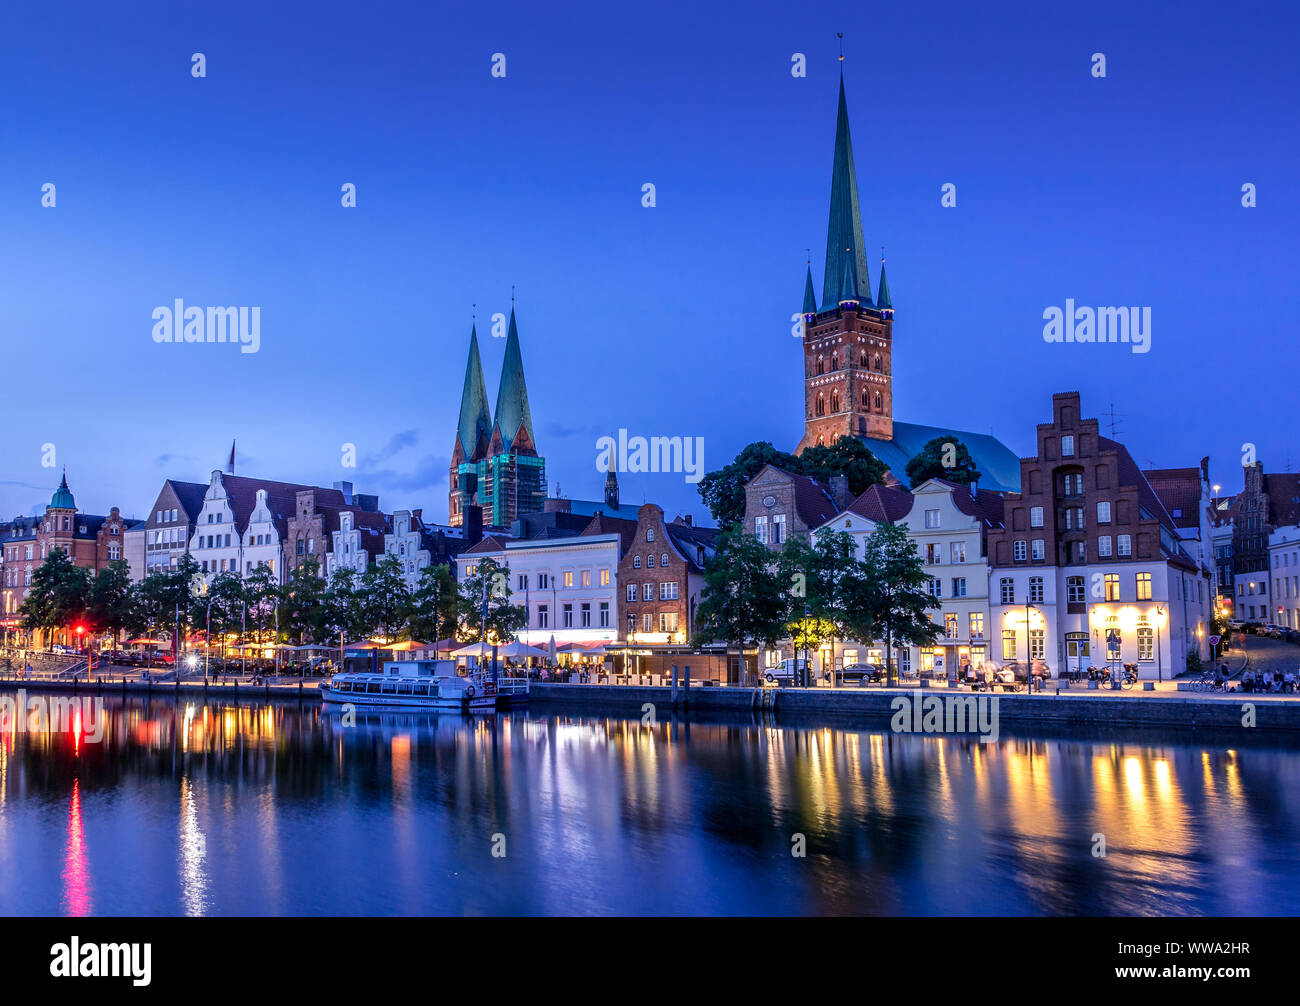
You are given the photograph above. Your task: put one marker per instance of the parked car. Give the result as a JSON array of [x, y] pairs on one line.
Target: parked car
[[862, 674], [787, 672]]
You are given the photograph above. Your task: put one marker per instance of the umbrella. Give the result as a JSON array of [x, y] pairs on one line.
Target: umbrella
[[407, 646], [552, 649]]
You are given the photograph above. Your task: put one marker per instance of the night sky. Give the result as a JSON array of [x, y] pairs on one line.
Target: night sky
[[666, 321]]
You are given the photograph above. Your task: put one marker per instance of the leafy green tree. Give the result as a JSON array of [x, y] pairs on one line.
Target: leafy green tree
[[345, 606], [943, 458], [58, 594], [835, 579], [901, 611], [262, 599], [304, 611], [387, 599], [436, 604], [848, 456], [110, 599], [486, 608], [745, 601]]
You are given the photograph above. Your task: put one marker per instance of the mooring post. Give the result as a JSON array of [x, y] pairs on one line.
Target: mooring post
[[686, 689], [674, 691]]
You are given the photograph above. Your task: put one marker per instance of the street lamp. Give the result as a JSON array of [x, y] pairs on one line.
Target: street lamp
[[1029, 661], [1160, 617]]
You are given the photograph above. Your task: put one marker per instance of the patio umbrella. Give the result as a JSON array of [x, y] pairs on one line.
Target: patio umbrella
[[552, 653], [407, 646]]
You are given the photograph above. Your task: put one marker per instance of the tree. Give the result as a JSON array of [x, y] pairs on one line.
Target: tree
[[744, 599], [58, 594], [262, 600], [386, 597], [898, 579], [110, 598], [723, 491], [486, 609], [345, 610], [943, 458], [848, 456], [436, 604], [304, 614]]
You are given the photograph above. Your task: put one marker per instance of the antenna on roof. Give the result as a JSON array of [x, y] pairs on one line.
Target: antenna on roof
[[1114, 417]]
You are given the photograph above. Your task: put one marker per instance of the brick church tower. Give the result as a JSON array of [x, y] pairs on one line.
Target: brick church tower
[[848, 339]]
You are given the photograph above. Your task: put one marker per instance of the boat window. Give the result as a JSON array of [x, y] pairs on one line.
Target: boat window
[[422, 689], [345, 686], [390, 687], [404, 687], [372, 688]]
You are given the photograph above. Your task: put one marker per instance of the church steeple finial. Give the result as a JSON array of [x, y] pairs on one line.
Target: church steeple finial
[[882, 293], [845, 246], [611, 482], [809, 294]]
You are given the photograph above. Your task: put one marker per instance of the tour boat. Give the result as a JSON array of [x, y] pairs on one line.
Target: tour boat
[[420, 684]]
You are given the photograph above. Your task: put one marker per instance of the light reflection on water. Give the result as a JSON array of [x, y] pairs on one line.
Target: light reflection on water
[[186, 808]]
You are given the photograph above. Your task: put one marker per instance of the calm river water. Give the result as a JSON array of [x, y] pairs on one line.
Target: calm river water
[[187, 808]]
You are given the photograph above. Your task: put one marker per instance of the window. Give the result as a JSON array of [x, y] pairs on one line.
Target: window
[[585, 578], [1035, 590], [1037, 549], [932, 518], [543, 617], [760, 530], [977, 625], [934, 587], [647, 622], [1008, 586], [958, 551], [631, 591], [1074, 589], [1103, 546], [1037, 642], [950, 625], [647, 591], [959, 586], [1112, 586], [667, 621], [567, 611], [604, 578], [778, 531], [523, 581], [650, 559], [568, 579], [1103, 512], [1146, 643], [604, 614], [1144, 586], [1035, 516], [1067, 447], [668, 591], [585, 609], [1008, 644], [663, 559], [1074, 485], [933, 554], [1125, 545], [636, 562], [1019, 550], [649, 534]]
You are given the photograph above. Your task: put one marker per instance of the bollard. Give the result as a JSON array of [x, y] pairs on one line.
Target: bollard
[[674, 691], [686, 687]]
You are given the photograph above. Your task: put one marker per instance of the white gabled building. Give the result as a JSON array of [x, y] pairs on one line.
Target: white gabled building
[[948, 524]]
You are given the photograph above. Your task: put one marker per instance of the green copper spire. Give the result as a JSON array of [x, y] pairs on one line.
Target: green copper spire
[[809, 295], [512, 396], [882, 296], [62, 498], [475, 427], [845, 248]]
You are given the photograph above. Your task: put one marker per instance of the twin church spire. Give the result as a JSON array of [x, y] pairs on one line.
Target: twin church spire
[[477, 434]]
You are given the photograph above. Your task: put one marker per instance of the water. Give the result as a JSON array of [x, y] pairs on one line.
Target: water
[[186, 808]]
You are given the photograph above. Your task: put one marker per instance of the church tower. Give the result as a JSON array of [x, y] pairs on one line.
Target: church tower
[[848, 338], [472, 437]]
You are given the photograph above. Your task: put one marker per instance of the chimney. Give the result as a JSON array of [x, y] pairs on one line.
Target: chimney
[[473, 524], [840, 491], [417, 515], [975, 488]]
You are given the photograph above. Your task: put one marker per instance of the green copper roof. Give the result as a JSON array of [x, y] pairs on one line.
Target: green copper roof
[[882, 295], [512, 395], [62, 498], [845, 248], [475, 419], [809, 295]]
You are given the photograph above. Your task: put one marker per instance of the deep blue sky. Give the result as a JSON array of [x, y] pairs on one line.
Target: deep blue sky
[[672, 320]]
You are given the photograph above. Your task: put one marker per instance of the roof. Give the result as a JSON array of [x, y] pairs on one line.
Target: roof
[[812, 500], [1179, 490], [693, 543], [1131, 474], [475, 427], [189, 495], [62, 498], [999, 468], [883, 302], [605, 524], [986, 505], [489, 544], [1283, 490], [882, 504], [281, 499], [809, 295], [589, 508], [512, 395], [846, 254]]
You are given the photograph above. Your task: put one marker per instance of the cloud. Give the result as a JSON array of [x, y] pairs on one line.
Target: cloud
[[397, 443]]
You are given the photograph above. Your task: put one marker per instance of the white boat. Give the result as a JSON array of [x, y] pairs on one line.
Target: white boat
[[417, 684]]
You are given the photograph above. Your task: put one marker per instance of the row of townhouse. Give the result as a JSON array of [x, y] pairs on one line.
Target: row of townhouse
[[1087, 565]]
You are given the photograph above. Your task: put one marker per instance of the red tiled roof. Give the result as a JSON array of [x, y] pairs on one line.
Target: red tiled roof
[[281, 499], [811, 499], [1283, 491], [490, 543], [1131, 475], [603, 524], [987, 505], [1179, 490], [883, 504]]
